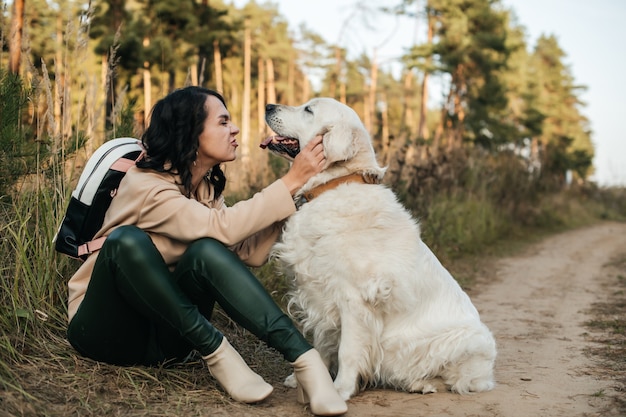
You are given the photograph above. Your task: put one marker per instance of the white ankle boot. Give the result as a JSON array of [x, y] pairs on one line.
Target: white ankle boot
[[315, 386], [232, 373]]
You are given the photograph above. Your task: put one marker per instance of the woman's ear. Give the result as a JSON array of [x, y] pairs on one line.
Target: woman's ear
[[340, 143]]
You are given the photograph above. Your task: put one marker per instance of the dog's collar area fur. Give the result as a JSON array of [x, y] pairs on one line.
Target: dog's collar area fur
[[334, 183]]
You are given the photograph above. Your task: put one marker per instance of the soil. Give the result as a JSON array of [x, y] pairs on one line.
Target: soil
[[536, 304]]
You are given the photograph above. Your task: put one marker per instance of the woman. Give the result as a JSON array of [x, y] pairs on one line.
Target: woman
[[173, 249]]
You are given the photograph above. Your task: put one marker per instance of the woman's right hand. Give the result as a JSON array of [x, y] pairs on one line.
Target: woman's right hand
[[306, 164]]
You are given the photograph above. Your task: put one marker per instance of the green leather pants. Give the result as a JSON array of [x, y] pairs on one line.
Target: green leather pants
[[136, 311]]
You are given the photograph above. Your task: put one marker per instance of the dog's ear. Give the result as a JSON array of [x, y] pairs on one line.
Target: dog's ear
[[341, 142]]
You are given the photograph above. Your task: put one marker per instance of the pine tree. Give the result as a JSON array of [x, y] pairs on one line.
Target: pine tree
[[565, 134]]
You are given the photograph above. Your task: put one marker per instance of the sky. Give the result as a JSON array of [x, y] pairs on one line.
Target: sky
[[591, 33]]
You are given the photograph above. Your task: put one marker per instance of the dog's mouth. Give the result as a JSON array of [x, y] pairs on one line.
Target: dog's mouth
[[282, 145]]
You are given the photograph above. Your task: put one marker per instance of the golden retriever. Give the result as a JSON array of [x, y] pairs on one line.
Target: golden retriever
[[378, 305]]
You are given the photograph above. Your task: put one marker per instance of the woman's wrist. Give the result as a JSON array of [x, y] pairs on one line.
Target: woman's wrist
[[292, 184]]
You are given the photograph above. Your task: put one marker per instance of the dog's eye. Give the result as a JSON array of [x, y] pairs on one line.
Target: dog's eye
[[308, 109]]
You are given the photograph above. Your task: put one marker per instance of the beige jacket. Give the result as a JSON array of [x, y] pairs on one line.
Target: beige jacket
[[154, 202]]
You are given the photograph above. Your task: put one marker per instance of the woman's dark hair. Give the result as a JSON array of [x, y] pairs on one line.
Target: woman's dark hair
[[171, 139]]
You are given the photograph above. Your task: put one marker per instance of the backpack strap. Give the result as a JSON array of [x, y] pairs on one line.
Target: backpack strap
[[91, 247], [122, 165]]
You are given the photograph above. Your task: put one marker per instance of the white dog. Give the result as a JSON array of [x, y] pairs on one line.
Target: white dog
[[380, 307]]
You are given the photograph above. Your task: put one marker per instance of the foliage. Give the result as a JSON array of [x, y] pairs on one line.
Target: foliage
[[124, 120], [564, 132], [500, 92], [16, 156]]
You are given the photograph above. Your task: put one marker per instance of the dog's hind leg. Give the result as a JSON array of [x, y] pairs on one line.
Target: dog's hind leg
[[472, 371], [474, 374]]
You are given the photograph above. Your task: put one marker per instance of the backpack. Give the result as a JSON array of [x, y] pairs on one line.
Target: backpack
[[92, 196]]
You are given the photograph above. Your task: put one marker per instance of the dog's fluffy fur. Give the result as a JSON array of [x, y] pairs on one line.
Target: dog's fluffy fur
[[380, 307]]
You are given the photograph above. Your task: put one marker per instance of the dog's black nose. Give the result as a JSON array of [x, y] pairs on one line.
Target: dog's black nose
[[270, 108]]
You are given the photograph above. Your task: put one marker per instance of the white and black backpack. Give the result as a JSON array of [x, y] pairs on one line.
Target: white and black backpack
[[93, 194]]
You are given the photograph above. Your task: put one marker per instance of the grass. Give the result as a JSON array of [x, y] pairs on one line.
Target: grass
[[40, 374], [608, 331], [598, 394]]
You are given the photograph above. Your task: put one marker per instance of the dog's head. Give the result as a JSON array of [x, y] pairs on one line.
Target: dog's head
[[344, 133]]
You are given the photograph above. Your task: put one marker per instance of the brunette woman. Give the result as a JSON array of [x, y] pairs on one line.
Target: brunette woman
[[173, 249]]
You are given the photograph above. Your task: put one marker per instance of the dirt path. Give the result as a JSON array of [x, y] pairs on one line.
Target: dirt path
[[536, 308]]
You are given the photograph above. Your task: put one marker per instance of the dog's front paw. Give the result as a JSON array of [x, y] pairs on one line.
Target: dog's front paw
[[345, 392], [422, 387], [291, 381]]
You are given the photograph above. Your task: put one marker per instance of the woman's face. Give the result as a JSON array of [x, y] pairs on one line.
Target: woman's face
[[217, 142]]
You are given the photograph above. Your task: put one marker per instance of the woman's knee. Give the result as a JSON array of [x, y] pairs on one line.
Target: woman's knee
[[128, 239], [209, 250], [127, 235]]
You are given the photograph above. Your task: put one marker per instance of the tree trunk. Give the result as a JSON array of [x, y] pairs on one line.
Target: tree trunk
[[442, 122], [193, 71], [367, 114], [217, 59], [385, 130], [407, 118], [58, 78], [342, 93], [261, 96], [306, 89], [171, 80], [459, 111], [535, 156], [90, 110], [422, 130], [245, 105], [109, 90], [104, 74], [147, 87], [459, 128], [291, 80], [372, 91], [15, 42], [271, 81], [334, 81], [202, 67]]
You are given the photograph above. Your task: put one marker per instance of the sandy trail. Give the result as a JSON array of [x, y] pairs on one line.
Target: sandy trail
[[536, 309]]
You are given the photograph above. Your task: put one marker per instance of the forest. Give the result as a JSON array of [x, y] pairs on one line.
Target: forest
[[506, 152], [94, 69]]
